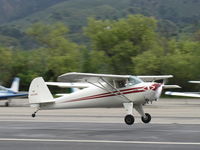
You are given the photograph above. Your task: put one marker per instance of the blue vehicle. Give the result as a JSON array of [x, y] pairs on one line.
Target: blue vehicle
[[13, 91]]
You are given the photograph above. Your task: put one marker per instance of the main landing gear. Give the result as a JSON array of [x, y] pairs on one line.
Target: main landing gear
[[147, 118], [129, 118]]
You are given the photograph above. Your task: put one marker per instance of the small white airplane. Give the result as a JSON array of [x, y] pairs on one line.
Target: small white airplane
[[13, 91], [101, 91], [185, 94]]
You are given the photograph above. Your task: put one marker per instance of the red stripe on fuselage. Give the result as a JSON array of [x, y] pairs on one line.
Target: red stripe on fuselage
[[110, 93], [114, 93]]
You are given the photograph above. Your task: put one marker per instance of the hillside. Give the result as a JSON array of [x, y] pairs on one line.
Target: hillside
[[175, 15], [76, 11], [15, 9]]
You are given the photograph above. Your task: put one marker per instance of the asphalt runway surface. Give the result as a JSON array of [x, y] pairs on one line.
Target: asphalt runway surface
[[175, 125]]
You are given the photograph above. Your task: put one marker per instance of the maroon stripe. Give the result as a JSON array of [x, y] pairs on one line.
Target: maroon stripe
[[93, 97], [134, 92], [106, 94]]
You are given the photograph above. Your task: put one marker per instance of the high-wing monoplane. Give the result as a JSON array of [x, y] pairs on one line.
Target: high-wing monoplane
[[104, 91], [13, 91], [185, 94]]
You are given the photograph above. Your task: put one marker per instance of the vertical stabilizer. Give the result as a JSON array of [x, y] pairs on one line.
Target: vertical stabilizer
[[39, 92], [15, 85]]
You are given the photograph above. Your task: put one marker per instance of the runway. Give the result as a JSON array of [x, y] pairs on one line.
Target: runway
[[175, 125]]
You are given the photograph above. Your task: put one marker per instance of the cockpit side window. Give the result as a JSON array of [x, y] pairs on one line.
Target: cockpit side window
[[120, 83], [134, 80]]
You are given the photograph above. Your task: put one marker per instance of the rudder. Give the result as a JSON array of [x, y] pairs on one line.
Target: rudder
[[15, 85], [39, 92]]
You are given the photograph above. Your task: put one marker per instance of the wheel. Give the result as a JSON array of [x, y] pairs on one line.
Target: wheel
[[33, 115], [129, 119], [147, 119], [7, 104]]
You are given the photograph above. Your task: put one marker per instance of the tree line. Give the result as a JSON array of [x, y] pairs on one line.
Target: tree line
[[130, 45]]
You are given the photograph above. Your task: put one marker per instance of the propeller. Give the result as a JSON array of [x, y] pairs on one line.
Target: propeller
[[159, 91], [164, 86]]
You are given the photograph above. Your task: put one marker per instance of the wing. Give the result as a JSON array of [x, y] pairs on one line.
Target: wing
[[194, 82], [13, 95], [69, 85], [91, 77], [154, 77], [171, 86], [186, 94]]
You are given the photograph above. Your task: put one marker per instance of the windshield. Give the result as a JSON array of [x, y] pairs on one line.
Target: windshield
[[134, 80]]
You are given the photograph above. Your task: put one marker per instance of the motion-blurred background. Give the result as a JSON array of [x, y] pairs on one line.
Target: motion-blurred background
[[140, 37]]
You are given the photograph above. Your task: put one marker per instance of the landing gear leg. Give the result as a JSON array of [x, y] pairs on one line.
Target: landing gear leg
[[34, 114], [145, 117], [7, 104], [129, 119]]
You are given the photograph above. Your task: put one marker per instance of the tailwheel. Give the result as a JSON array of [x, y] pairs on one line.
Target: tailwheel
[[129, 119], [146, 119], [33, 115]]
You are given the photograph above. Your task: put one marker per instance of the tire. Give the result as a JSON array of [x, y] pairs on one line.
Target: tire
[[7, 104], [129, 119], [33, 115], [147, 119]]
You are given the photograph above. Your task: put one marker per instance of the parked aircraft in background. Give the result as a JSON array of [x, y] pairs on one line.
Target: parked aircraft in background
[[13, 91], [105, 90], [186, 94], [194, 82]]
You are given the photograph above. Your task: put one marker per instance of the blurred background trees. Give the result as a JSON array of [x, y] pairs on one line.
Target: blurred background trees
[[129, 45]]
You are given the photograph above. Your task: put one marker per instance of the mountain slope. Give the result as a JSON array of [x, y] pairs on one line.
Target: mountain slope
[[75, 12], [174, 15], [15, 9]]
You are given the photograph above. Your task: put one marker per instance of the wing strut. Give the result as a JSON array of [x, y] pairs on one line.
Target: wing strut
[[118, 93]]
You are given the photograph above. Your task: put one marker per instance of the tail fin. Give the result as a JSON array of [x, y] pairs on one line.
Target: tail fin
[[15, 85], [39, 92]]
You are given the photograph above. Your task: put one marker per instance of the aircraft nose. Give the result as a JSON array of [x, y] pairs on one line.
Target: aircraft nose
[[155, 86], [153, 91], [158, 90]]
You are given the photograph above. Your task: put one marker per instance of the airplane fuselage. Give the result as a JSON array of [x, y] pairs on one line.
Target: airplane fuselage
[[96, 97], [4, 94]]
